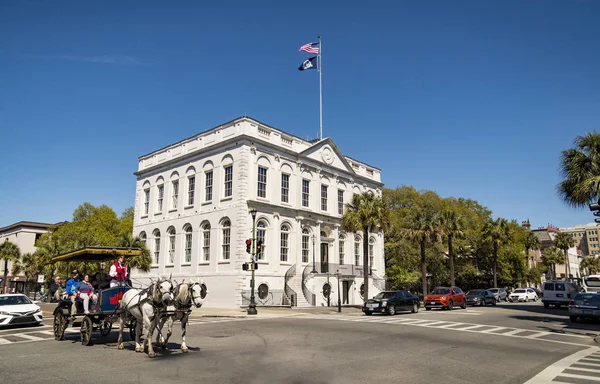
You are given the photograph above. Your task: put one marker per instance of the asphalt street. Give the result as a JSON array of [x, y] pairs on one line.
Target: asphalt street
[[509, 343]]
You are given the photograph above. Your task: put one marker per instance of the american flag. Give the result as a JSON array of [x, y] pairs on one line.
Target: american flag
[[310, 48]]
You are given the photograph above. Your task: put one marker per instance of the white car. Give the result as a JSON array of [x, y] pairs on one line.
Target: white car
[[17, 309], [524, 294]]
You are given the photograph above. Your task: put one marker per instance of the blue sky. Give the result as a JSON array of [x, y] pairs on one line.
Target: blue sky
[[473, 99]]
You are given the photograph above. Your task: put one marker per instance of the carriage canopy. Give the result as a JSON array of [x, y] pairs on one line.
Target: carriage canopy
[[97, 254]]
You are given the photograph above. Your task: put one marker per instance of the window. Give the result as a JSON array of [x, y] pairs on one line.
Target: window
[[191, 189], [156, 246], [206, 241], [323, 197], [549, 287], [188, 244], [228, 180], [262, 182], [171, 232], [209, 185], [226, 240], [371, 253], [559, 287], [356, 250], [175, 194], [305, 240], [261, 230], [341, 244], [305, 192], [340, 202], [285, 236], [146, 201], [142, 237], [159, 201], [285, 188]]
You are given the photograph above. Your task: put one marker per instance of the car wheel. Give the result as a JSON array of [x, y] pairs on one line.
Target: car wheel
[[464, 304], [506, 299], [428, 308], [391, 310], [415, 308], [494, 303], [450, 305], [368, 313], [482, 303], [535, 298], [573, 319], [546, 305]]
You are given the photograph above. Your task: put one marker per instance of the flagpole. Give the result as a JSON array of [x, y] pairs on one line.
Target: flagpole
[[320, 88]]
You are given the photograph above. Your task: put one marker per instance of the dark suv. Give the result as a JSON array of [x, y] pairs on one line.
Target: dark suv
[[391, 302]]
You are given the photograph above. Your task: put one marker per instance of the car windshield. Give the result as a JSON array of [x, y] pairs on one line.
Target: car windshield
[[441, 291], [520, 291], [384, 295], [475, 293], [494, 290], [588, 297], [592, 281], [14, 300]]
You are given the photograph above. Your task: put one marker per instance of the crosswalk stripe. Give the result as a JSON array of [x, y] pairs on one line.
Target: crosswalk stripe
[[492, 329], [29, 337], [471, 327], [4, 341], [593, 370], [435, 323], [538, 334], [584, 377], [594, 358], [450, 325], [513, 332], [586, 363], [47, 332]]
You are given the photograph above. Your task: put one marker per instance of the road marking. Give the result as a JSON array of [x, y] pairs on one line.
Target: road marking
[[450, 325], [493, 329], [435, 323], [4, 341], [471, 327], [513, 332], [29, 337], [555, 370]]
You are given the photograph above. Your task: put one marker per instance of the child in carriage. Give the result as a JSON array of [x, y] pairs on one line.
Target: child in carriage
[[85, 290]]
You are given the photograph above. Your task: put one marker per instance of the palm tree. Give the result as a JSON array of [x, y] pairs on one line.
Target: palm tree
[[141, 262], [366, 213], [452, 225], [532, 243], [422, 226], [497, 233], [27, 263], [565, 241], [580, 167], [8, 251], [552, 256]]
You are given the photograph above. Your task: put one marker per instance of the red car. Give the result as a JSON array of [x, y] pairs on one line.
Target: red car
[[445, 297]]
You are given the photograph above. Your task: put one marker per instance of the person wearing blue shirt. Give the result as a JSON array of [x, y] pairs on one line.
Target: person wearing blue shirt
[[71, 289]]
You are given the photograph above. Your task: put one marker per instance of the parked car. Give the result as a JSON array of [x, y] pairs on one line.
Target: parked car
[[539, 293], [481, 297], [523, 294], [391, 302], [558, 292], [445, 297], [499, 293], [18, 309], [584, 305]]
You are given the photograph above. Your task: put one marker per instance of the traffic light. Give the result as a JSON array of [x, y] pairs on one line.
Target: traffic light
[[249, 246], [245, 266], [259, 248], [596, 209]]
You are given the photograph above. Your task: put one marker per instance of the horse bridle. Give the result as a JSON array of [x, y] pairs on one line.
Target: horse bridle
[[192, 293]]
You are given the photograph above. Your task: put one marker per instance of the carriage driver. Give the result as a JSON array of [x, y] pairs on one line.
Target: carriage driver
[[118, 273]]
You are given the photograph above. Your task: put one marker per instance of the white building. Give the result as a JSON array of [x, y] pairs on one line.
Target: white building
[[192, 206]]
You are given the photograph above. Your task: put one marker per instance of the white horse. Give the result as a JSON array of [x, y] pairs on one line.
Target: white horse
[[188, 295], [145, 305]]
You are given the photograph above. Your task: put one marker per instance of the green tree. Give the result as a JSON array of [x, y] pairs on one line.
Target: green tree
[[552, 256], [28, 264], [532, 243], [366, 213], [497, 233], [142, 262], [402, 278], [580, 168], [9, 251], [452, 225], [590, 265], [565, 241]]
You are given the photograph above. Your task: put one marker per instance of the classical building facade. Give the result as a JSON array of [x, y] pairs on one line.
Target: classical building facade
[[547, 236], [24, 234], [586, 238], [192, 207]]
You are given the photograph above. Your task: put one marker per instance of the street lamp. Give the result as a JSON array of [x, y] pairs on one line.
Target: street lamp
[[338, 289], [314, 270], [329, 295], [252, 306]]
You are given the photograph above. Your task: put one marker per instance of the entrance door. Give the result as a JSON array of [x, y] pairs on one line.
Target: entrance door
[[345, 291], [324, 257]]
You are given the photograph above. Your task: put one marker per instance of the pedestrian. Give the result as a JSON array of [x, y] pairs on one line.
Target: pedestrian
[[53, 289], [118, 273]]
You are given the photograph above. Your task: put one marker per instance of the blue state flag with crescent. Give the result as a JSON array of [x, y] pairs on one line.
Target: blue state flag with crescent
[[310, 63]]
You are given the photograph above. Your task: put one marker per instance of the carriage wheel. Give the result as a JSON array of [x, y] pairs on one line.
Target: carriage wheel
[[60, 324], [86, 331], [105, 328], [132, 326]]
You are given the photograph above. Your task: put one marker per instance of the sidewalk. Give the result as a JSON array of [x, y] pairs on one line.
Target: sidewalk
[[48, 311]]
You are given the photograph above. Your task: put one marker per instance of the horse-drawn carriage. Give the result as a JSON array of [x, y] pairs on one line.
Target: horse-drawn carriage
[[107, 311]]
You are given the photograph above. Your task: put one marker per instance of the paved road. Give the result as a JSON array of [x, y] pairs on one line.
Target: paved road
[[512, 343]]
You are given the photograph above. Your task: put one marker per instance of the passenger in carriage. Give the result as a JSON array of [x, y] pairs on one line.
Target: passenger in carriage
[[118, 273], [104, 283], [85, 290], [71, 290]]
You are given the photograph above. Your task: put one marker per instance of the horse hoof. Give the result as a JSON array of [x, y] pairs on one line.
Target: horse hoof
[[152, 355], [121, 347], [185, 350]]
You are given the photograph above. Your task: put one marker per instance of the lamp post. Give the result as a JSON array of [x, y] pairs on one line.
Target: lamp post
[[338, 289], [314, 270], [329, 295], [252, 306]]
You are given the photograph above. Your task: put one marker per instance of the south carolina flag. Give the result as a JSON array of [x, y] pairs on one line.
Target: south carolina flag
[[311, 63]]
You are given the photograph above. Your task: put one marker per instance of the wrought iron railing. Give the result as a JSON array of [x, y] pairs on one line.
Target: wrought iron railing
[[308, 295], [289, 292]]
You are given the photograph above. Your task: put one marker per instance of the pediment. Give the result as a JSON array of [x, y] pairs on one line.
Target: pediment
[[327, 153]]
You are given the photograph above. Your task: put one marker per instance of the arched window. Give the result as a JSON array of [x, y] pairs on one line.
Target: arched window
[[305, 242], [371, 253], [171, 233], [261, 230], [226, 240], [143, 237], [357, 250], [285, 237], [206, 241], [188, 243], [156, 235], [341, 244]]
